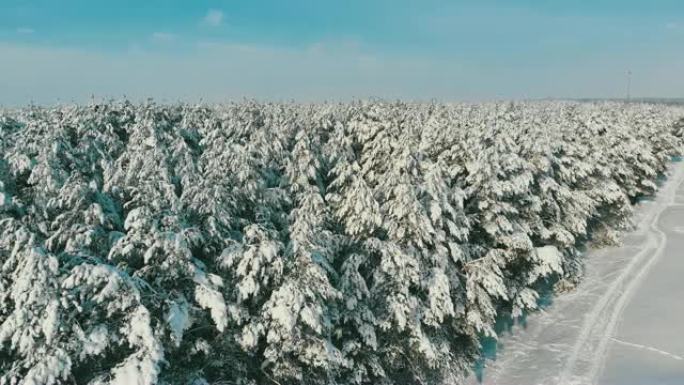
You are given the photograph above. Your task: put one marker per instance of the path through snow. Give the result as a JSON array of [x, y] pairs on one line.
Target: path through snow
[[609, 331]]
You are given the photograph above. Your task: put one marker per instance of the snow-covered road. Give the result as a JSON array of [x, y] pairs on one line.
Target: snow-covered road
[[621, 326]]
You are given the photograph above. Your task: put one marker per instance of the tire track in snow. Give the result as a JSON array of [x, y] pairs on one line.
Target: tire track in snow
[[649, 348], [601, 352], [593, 323], [600, 323], [563, 347]]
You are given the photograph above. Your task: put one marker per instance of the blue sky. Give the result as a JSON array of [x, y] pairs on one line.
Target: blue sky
[[68, 50]]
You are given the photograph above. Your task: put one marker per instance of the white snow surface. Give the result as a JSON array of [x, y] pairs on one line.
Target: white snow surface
[[622, 324]]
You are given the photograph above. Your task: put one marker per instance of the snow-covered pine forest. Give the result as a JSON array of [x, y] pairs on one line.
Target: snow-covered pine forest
[[359, 243]]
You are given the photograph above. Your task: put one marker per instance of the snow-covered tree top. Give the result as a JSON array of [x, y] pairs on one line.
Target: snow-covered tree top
[[360, 243]]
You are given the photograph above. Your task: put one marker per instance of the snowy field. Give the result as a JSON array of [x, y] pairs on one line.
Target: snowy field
[[353, 243], [621, 325]]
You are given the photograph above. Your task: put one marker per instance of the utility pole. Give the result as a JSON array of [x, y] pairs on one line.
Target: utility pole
[[629, 84]]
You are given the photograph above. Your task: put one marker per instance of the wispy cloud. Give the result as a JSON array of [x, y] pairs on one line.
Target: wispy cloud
[[672, 25], [213, 18], [163, 37], [213, 72], [216, 71], [25, 30]]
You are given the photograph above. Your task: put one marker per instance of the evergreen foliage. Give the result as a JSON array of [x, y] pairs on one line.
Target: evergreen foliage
[[361, 243]]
